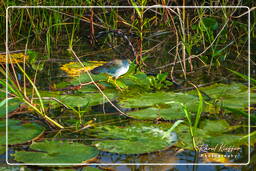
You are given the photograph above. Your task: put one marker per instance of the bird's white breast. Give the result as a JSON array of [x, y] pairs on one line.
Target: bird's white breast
[[122, 70]]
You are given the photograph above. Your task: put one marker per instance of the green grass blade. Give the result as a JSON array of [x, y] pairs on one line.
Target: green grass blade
[[245, 77]]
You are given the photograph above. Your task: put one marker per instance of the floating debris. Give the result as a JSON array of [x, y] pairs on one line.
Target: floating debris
[[75, 68], [13, 58]]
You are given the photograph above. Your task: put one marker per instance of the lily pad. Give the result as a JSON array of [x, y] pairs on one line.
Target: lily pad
[[152, 99], [215, 126], [82, 99], [209, 134], [84, 78], [75, 68], [12, 105], [160, 105], [136, 139], [138, 79], [169, 113], [19, 133], [56, 152], [228, 95], [73, 101], [226, 139]]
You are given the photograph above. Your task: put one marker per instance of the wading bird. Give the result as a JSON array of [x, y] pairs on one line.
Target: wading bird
[[114, 68]]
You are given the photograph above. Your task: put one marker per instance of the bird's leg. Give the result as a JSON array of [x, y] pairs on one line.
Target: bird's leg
[[114, 80], [117, 84], [108, 79]]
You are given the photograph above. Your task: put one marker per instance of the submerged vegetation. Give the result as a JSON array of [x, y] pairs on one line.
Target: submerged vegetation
[[187, 87]]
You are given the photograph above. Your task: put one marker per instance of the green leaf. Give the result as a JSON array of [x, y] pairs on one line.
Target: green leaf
[[152, 99], [84, 78], [215, 126], [170, 113], [13, 104], [226, 139], [245, 77], [135, 139], [19, 133], [56, 152], [228, 95]]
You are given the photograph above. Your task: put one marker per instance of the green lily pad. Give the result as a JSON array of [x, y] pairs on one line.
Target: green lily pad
[[144, 100], [84, 78], [185, 139], [136, 139], [19, 133], [82, 99], [135, 80], [209, 134], [56, 152], [169, 113], [12, 105], [152, 99], [226, 139], [228, 95], [73, 101], [215, 126], [98, 98], [164, 105]]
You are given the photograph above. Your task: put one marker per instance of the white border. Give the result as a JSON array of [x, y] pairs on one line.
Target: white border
[[154, 6]]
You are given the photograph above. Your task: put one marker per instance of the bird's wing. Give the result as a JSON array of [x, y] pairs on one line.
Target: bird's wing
[[106, 68]]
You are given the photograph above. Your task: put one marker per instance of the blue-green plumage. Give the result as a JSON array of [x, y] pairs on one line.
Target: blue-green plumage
[[114, 68]]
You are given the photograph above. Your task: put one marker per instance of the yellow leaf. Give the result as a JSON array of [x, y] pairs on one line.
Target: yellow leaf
[[13, 58], [75, 68]]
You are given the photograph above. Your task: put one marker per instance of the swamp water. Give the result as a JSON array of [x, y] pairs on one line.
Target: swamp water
[[96, 133]]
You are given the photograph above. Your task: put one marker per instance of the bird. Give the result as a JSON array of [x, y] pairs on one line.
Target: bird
[[114, 68]]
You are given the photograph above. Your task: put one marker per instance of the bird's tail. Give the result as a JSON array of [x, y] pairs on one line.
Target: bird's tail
[[98, 70]]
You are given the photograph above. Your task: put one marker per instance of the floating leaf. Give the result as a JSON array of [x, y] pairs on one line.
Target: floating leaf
[[158, 98], [135, 80], [203, 135], [136, 139], [159, 105], [82, 99], [74, 101], [226, 139], [57, 152], [13, 58], [75, 68], [85, 78], [19, 133], [170, 113], [12, 105], [185, 139], [228, 95], [215, 126], [98, 98]]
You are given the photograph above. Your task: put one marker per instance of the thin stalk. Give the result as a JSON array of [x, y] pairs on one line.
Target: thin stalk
[[41, 111]]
